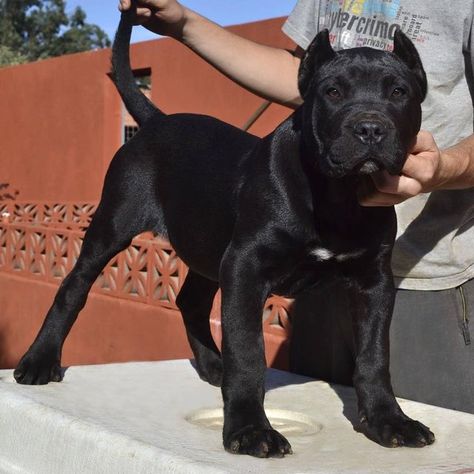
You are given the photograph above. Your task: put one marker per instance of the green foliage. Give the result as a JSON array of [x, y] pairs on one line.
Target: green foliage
[[8, 57], [39, 29]]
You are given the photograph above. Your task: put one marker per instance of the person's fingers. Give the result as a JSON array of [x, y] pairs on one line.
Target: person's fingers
[[142, 14], [152, 4], [405, 186], [124, 5], [424, 142], [386, 190], [378, 199], [383, 189], [147, 4], [422, 167], [385, 183]]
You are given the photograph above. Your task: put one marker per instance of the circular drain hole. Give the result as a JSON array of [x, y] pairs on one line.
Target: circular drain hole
[[286, 422]]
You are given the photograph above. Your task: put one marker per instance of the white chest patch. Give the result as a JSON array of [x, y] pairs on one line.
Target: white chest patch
[[323, 254]]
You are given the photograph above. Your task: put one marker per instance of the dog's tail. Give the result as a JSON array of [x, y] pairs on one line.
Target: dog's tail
[[140, 108]]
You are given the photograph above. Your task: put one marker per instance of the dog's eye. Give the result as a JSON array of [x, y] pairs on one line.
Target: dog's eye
[[333, 93], [398, 92]]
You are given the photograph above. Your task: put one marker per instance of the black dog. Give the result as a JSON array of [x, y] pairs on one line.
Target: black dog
[[259, 216]]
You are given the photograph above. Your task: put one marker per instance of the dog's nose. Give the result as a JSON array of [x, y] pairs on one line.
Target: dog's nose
[[369, 132]]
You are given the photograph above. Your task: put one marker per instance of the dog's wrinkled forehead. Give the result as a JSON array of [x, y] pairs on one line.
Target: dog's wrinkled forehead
[[367, 68], [320, 62], [360, 63]]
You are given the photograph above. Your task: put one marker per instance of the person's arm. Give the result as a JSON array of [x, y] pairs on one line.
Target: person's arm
[[426, 169], [268, 72], [457, 168], [272, 73]]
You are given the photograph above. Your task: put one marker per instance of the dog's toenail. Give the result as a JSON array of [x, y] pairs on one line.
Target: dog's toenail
[[234, 446]]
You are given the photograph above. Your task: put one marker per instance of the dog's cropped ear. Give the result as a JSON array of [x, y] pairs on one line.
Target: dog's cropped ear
[[318, 52], [404, 48]]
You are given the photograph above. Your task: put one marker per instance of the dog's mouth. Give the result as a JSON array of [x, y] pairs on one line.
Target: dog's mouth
[[370, 162], [365, 167], [368, 167], [373, 165]]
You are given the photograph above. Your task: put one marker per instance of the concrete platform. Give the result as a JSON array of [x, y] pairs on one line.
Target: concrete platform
[[159, 417]]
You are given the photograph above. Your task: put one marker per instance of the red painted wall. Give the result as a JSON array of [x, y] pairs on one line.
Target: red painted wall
[[60, 119], [60, 124]]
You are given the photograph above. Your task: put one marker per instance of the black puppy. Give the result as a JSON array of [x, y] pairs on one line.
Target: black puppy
[[259, 216]]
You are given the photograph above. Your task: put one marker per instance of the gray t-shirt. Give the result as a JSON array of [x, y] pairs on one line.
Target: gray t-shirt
[[435, 242]]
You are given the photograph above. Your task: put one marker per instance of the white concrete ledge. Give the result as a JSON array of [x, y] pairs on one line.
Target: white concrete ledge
[[159, 417]]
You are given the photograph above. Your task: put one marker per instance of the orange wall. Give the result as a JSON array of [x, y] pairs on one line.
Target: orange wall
[[60, 124], [60, 118], [107, 330]]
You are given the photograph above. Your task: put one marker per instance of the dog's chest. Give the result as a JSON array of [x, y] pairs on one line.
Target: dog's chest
[[318, 263], [324, 254], [343, 239]]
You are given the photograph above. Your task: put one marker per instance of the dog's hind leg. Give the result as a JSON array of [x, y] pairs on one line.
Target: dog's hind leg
[[111, 231], [195, 303]]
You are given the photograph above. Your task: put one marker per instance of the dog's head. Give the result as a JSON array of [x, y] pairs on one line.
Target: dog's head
[[361, 106]]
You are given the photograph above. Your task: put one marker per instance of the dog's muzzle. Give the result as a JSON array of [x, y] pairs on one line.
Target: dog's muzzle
[[373, 135], [366, 142]]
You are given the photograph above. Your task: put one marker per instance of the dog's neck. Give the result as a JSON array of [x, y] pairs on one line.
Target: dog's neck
[[340, 193], [335, 200]]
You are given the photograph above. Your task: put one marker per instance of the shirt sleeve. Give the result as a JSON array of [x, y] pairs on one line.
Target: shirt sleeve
[[302, 24]]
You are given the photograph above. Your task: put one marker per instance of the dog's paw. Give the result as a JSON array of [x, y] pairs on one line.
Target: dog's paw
[[398, 430], [38, 369], [210, 370], [258, 442]]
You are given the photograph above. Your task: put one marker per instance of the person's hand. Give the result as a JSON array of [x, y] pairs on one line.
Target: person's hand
[[422, 173], [164, 17]]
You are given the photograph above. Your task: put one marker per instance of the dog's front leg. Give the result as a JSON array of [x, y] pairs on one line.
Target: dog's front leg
[[382, 418], [246, 427]]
